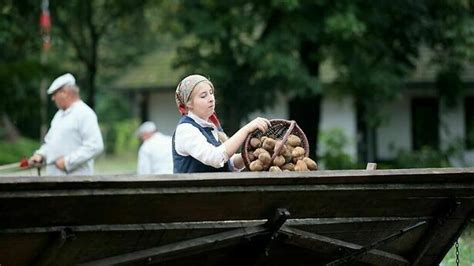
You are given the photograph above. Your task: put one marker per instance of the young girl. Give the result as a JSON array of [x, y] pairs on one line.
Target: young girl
[[199, 144]]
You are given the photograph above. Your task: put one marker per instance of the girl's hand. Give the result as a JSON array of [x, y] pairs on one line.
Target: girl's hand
[[258, 123]]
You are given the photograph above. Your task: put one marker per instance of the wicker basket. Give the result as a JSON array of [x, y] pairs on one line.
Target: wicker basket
[[280, 129]]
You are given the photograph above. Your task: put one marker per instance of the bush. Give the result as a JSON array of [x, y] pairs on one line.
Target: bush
[[426, 157], [11, 152], [119, 137], [333, 156]]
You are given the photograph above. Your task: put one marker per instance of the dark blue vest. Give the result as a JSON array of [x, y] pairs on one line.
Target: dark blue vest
[[188, 164]]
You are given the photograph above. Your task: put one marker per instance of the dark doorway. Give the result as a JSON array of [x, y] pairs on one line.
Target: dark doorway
[[306, 112], [144, 103], [469, 121], [425, 123]]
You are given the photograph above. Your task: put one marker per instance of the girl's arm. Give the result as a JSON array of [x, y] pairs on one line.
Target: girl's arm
[[234, 142]]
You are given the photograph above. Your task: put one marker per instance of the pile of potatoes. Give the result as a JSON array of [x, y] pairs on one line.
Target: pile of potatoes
[[291, 156]]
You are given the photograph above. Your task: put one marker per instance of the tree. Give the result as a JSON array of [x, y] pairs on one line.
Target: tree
[[20, 69], [375, 61], [247, 48], [103, 35], [255, 49]]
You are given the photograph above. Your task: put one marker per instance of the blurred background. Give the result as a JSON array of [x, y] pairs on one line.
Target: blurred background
[[367, 81], [390, 82]]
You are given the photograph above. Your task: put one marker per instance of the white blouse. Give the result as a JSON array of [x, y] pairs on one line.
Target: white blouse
[[189, 141]]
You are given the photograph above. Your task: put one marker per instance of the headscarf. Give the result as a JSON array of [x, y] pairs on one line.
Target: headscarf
[[184, 91]]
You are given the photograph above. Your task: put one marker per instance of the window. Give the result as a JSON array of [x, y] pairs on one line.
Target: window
[[469, 121], [425, 123]]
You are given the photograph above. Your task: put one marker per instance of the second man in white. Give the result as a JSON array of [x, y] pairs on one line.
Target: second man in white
[[154, 155]]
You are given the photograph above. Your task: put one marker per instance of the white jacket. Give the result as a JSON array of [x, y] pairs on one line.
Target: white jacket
[[155, 155], [74, 134]]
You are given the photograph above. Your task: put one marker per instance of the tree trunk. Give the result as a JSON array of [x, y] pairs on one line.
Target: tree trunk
[[367, 141], [91, 87], [11, 132], [231, 120]]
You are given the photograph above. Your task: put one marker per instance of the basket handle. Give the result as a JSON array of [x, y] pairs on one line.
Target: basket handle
[[283, 140]]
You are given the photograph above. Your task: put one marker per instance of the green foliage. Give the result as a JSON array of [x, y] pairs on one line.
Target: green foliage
[[19, 96], [99, 37], [20, 69], [426, 157], [14, 152], [252, 50], [19, 34], [249, 50], [466, 249], [117, 123], [333, 156], [113, 107], [119, 136]]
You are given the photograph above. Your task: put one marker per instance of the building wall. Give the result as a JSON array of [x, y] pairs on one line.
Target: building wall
[[451, 124], [395, 132], [163, 111], [339, 113]]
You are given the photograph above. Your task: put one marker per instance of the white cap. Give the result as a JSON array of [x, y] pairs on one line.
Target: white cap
[[59, 82], [147, 127]]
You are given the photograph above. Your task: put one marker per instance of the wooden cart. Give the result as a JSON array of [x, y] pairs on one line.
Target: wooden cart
[[356, 217]]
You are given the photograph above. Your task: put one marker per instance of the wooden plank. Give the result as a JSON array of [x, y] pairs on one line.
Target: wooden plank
[[371, 166], [443, 231], [337, 247], [48, 255], [124, 207], [209, 224], [428, 175], [183, 248]]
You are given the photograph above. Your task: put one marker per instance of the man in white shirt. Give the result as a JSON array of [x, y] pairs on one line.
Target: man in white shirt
[[155, 154], [74, 138]]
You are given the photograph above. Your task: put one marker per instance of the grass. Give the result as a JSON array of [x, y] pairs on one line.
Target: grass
[[466, 249], [113, 164]]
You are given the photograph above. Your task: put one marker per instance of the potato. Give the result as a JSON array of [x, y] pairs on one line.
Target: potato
[[293, 140], [312, 165], [269, 144], [279, 160], [274, 169], [298, 152], [296, 159], [301, 166], [251, 156], [289, 149], [288, 166], [257, 152], [287, 154], [255, 143], [256, 165], [265, 158]]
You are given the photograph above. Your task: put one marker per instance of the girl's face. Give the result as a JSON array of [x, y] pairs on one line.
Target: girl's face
[[202, 101]]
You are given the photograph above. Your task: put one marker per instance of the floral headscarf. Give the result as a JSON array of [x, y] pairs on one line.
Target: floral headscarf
[[184, 91]]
